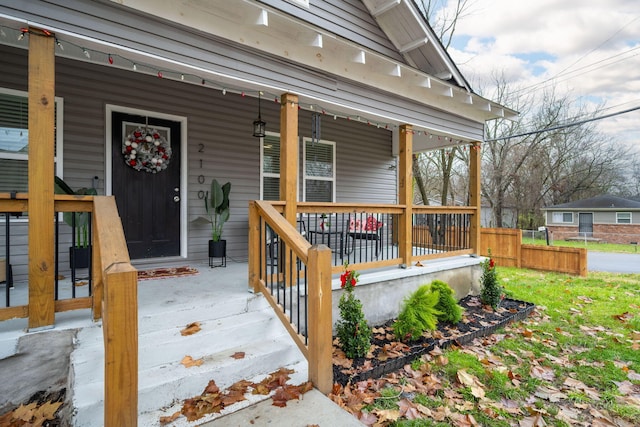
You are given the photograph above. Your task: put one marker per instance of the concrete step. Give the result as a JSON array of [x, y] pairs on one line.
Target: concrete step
[[163, 381], [152, 418], [166, 346]]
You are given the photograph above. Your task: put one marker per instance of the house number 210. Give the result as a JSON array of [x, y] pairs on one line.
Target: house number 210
[[201, 177]]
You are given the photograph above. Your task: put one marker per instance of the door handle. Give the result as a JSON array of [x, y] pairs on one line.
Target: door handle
[[176, 199]]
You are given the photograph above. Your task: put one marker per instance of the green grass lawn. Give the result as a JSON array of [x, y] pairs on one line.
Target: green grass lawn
[[591, 246], [574, 361]]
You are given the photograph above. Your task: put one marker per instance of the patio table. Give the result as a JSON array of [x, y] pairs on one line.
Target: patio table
[[324, 237]]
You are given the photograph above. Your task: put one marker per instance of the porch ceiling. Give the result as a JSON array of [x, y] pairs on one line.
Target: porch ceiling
[[251, 23]]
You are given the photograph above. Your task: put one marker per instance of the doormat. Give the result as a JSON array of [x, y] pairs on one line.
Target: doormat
[[166, 272]]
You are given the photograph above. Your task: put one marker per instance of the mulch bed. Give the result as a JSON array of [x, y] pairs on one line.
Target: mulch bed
[[389, 355]]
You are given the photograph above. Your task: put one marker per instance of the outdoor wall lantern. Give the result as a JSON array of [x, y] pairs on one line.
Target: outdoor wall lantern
[[259, 125]]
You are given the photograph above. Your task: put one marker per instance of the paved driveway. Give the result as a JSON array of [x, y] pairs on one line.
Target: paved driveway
[[613, 262]]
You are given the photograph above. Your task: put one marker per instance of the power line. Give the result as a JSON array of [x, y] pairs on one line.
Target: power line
[[585, 69], [596, 48], [566, 125]]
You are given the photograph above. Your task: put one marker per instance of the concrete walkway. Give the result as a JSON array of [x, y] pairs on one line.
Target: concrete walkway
[[313, 408]]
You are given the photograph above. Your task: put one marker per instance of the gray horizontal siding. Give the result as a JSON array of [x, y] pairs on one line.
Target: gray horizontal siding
[[113, 23], [221, 123]]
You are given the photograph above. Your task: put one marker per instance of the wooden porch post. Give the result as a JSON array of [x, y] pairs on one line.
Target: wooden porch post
[[288, 168], [40, 174], [474, 196], [254, 247], [320, 321], [289, 155], [405, 194]]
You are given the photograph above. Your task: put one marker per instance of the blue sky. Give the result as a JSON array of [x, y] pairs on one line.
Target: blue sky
[[588, 49]]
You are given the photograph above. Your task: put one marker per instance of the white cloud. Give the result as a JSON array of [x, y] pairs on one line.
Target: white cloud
[[590, 49]]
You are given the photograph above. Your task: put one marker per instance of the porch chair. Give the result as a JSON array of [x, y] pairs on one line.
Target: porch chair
[[369, 229]]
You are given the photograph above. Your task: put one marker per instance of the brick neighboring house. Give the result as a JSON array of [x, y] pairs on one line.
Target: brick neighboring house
[[604, 218]]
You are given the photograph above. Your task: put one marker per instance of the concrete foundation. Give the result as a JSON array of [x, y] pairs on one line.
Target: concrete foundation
[[382, 292]]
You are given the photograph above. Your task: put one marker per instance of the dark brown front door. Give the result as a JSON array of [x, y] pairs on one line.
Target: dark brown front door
[[146, 183]]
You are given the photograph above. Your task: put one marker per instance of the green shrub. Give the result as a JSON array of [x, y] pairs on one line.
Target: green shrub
[[352, 329], [418, 314], [447, 304], [491, 291]]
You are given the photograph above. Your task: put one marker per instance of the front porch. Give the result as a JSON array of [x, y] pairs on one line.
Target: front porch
[[232, 319]]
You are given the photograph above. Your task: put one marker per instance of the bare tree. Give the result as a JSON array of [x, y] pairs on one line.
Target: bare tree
[[433, 173], [443, 16], [559, 161]]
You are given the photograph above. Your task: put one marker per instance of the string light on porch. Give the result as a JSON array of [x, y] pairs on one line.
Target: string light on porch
[[120, 61]]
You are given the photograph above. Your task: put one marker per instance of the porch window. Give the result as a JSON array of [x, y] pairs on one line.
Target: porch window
[[319, 171], [270, 169], [623, 217], [14, 140], [563, 217]]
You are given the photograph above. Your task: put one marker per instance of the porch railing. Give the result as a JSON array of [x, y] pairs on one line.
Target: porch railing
[[367, 236], [295, 278], [72, 294], [113, 295], [292, 264]]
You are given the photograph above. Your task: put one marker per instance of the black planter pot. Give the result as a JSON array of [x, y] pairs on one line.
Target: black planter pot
[[79, 257], [218, 250]]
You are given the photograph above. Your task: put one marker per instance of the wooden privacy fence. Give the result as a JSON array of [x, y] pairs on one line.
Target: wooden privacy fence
[[507, 249]]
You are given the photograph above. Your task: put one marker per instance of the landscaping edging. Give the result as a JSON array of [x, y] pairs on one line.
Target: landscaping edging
[[417, 349]]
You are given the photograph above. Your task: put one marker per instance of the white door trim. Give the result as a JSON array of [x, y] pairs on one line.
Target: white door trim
[[108, 181]]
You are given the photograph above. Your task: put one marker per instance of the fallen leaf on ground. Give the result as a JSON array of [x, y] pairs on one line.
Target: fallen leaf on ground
[[543, 373], [171, 418], [190, 362], [190, 329], [238, 355]]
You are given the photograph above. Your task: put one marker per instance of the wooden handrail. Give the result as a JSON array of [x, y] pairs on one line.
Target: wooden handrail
[[444, 210], [117, 289], [317, 259], [298, 244]]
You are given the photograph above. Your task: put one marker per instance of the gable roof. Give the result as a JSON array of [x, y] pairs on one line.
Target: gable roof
[[413, 37], [606, 201]]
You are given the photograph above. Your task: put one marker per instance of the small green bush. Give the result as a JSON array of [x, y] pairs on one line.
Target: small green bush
[[352, 328], [490, 292], [447, 304], [418, 314]]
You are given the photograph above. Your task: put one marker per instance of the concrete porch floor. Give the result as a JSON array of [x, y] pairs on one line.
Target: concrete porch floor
[[154, 297]]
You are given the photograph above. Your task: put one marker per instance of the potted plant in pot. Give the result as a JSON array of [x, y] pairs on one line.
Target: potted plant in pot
[[216, 203], [80, 251]]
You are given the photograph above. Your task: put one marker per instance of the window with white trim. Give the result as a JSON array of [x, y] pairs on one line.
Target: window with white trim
[[623, 217], [562, 217], [270, 167], [319, 171], [14, 140]]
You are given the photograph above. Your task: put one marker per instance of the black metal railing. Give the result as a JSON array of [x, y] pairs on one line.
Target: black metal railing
[[285, 276], [353, 237], [14, 277], [440, 232]]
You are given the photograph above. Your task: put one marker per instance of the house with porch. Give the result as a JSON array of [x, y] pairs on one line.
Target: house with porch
[[312, 110]]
